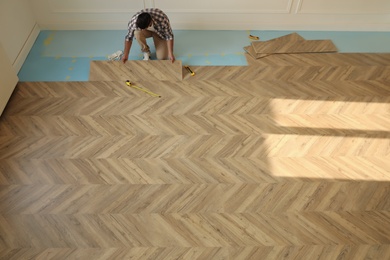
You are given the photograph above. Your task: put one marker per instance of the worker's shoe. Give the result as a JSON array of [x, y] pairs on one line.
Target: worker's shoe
[[146, 55]]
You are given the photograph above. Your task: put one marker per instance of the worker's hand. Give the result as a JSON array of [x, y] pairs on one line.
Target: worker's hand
[[124, 58], [172, 58]]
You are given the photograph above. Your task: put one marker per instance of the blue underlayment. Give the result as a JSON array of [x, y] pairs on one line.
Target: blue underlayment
[[66, 55]]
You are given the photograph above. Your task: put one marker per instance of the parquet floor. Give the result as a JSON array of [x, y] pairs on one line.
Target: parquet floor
[[288, 158]]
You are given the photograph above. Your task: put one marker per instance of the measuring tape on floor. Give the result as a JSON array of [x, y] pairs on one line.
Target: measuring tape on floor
[[189, 70], [128, 83]]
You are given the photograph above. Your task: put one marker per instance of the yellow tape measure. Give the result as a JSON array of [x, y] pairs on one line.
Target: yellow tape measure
[[128, 83], [252, 37], [189, 70]]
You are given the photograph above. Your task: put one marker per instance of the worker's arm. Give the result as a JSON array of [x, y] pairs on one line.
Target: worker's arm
[[126, 52], [170, 50]]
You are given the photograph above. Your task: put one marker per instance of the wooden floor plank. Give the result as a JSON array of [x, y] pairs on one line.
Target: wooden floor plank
[[288, 157], [291, 43], [134, 70], [274, 45]]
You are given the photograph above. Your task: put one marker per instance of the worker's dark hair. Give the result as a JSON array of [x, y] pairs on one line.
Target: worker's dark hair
[[143, 20]]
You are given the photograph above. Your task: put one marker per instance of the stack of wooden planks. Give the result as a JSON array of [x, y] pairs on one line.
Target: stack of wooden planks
[[291, 43]]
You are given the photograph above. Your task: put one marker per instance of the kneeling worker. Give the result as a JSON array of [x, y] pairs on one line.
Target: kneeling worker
[[150, 22]]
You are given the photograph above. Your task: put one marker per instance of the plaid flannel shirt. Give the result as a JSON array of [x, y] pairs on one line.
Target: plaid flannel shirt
[[160, 20]]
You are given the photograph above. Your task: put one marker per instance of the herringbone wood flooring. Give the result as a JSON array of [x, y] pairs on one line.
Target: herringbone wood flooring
[[288, 158]]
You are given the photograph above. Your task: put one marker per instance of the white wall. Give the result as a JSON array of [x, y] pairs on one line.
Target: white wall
[[356, 15], [18, 30], [8, 79]]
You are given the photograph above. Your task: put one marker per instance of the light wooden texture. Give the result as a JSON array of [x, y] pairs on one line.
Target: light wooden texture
[[288, 158], [285, 43], [249, 49], [135, 70], [289, 44]]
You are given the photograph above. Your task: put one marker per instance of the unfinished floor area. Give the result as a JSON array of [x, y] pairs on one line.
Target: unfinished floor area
[[286, 158]]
